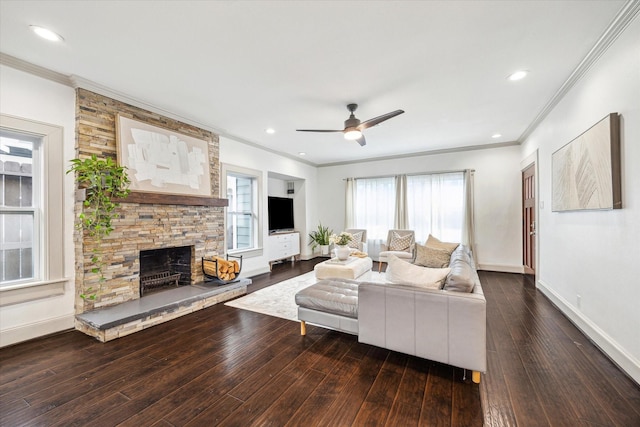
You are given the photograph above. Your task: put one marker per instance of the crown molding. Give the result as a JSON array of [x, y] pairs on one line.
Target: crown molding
[[425, 153], [36, 70], [617, 26]]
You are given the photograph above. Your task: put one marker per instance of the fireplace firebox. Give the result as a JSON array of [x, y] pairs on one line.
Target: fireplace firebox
[[166, 267]]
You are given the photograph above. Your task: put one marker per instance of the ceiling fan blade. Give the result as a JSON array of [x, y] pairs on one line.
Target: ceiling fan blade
[[361, 141], [318, 130], [377, 120]]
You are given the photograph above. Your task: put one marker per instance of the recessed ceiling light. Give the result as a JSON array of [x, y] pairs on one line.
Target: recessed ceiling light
[[518, 75], [270, 131], [496, 135], [46, 34], [302, 153]]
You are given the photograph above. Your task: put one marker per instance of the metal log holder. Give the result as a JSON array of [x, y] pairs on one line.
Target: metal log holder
[[213, 267]]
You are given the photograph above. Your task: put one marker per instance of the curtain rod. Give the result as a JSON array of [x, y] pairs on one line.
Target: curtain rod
[[411, 174]]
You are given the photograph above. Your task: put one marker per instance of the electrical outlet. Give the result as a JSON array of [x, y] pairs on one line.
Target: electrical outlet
[[579, 298]]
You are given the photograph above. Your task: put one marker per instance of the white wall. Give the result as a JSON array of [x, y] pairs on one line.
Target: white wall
[[26, 96], [497, 197], [595, 254], [240, 154]]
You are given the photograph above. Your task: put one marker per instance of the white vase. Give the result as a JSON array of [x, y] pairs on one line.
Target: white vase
[[324, 250], [342, 252]]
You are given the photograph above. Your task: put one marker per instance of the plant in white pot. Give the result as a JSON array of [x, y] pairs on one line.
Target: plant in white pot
[[342, 244], [320, 237]]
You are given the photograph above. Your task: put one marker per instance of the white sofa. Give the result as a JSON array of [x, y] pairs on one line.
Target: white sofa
[[442, 325]]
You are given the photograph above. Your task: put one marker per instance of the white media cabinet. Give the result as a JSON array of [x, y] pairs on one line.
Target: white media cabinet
[[282, 246]]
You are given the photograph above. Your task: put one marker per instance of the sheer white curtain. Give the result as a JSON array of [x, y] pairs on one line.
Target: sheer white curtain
[[435, 205], [349, 203], [401, 218], [374, 203], [440, 204], [468, 227]]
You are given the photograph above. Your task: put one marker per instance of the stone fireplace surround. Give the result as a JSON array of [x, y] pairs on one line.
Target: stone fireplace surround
[[140, 226]]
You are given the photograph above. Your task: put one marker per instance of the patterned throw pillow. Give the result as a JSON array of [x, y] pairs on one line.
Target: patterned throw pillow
[[427, 256], [355, 242], [400, 243], [433, 242]]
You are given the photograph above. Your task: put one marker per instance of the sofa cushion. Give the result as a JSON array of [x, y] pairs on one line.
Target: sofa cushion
[[462, 275], [427, 256], [331, 296], [402, 272], [434, 242]]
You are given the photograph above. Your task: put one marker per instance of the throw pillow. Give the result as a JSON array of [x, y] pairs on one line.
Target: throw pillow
[[427, 256], [436, 243], [400, 243], [403, 272], [356, 240]]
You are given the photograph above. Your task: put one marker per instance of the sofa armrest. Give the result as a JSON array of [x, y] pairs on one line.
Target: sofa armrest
[[447, 327]]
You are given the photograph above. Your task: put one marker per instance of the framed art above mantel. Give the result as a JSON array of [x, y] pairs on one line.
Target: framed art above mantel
[[164, 166]]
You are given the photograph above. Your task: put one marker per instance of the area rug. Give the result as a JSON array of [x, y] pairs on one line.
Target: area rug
[[279, 300]]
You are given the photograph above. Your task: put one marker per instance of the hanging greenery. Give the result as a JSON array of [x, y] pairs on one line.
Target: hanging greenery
[[103, 180]]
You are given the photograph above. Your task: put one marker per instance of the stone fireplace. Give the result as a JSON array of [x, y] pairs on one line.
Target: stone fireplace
[[147, 225]]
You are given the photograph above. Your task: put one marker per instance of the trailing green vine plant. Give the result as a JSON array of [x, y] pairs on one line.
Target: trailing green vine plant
[[103, 181]]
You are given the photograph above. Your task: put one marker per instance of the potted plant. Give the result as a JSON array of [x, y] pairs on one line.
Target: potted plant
[[102, 181], [320, 237], [341, 241]]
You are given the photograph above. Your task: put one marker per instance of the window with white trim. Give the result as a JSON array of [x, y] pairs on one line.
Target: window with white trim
[[31, 219], [243, 225], [20, 209]]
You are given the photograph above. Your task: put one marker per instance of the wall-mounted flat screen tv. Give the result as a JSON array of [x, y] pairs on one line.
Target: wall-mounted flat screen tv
[[280, 214]]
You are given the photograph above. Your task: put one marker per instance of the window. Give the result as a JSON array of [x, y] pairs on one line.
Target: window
[[243, 222], [31, 198], [19, 207], [434, 205], [375, 200]]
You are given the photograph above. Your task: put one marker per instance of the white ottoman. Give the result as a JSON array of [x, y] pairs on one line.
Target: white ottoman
[[352, 268]]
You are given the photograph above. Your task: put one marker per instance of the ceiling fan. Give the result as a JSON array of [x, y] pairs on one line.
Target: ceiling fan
[[353, 127]]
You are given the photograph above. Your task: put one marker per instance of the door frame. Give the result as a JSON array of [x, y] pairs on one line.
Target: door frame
[[532, 159]]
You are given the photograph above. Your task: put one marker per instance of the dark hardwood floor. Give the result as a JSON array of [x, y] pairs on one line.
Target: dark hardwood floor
[[225, 366]]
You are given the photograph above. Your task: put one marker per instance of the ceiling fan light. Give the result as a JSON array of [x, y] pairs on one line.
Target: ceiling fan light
[[352, 134]]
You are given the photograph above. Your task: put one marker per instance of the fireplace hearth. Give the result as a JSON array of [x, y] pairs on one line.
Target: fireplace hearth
[[164, 268]]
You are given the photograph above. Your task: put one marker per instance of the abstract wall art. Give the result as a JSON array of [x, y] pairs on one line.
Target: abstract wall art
[[586, 171], [163, 161]]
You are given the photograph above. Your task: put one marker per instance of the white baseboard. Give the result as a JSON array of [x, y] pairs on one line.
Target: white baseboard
[[610, 347], [37, 329], [502, 268]]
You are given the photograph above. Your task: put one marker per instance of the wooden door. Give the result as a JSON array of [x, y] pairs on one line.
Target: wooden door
[[529, 219]]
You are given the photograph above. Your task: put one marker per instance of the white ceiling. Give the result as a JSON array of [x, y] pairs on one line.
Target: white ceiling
[[239, 67]]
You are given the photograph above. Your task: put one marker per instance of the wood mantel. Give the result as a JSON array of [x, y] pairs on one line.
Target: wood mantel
[[173, 199]]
